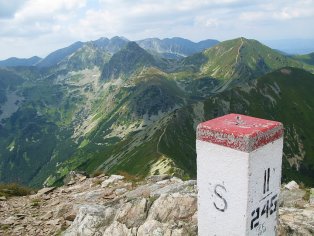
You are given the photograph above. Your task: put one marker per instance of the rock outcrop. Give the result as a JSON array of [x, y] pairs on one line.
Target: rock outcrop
[[103, 205]]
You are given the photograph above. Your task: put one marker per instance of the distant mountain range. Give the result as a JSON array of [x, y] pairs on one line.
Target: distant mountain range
[[167, 48], [121, 106], [175, 47], [13, 61]]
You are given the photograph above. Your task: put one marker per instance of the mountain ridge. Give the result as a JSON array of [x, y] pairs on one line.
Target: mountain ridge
[[112, 46], [118, 112], [175, 47], [128, 60], [14, 61]]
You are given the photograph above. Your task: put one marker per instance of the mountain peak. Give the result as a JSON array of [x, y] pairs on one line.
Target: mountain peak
[[57, 56], [133, 45], [176, 47], [243, 39], [119, 38], [126, 61], [242, 58], [240, 40]]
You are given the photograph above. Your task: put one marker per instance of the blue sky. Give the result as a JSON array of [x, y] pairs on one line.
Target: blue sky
[[37, 27]]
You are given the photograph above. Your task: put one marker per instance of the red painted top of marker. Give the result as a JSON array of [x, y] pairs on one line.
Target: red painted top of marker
[[239, 132]]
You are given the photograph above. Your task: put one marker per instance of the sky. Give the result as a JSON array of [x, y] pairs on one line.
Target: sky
[[38, 27]]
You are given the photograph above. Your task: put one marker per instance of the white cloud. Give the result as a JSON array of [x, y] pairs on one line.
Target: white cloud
[[279, 11], [42, 9], [289, 13], [8, 8], [206, 21], [253, 15], [58, 22]]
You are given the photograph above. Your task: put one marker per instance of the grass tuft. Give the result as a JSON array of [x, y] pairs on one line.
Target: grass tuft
[[15, 189]]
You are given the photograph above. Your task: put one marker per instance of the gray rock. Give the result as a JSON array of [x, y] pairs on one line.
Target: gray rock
[[182, 187], [153, 228], [90, 195], [20, 216], [112, 179], [70, 217], [163, 187], [63, 209], [47, 216], [160, 206], [44, 191], [120, 191], [133, 214], [72, 177], [157, 178], [292, 185], [312, 196], [10, 221], [118, 229], [90, 219], [3, 198], [177, 207], [296, 222], [143, 191], [53, 222], [82, 178], [71, 182], [292, 198]]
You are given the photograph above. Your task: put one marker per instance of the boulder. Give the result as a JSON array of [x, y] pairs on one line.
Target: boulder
[[112, 179], [160, 205], [292, 185], [293, 221], [44, 191], [3, 198], [292, 198]]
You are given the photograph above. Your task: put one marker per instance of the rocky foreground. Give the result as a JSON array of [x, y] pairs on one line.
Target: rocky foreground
[[114, 206]]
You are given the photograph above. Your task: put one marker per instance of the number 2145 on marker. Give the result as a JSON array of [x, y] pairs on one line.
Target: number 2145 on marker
[[268, 209]]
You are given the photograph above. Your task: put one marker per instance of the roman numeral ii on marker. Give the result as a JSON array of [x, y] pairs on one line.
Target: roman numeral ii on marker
[[266, 180]]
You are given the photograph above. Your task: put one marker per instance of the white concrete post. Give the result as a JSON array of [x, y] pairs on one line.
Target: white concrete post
[[238, 175]]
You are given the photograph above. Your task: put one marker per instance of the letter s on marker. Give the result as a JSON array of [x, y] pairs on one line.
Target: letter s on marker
[[220, 196]]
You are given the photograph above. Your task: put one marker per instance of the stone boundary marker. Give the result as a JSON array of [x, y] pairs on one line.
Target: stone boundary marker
[[238, 175]]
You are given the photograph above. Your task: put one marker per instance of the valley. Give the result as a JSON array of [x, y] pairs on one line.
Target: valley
[[117, 106]]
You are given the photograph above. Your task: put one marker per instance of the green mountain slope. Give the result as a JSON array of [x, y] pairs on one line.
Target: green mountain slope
[[9, 81], [136, 112], [241, 59], [307, 58], [84, 54], [230, 63], [39, 126], [129, 127], [55, 57], [284, 95], [166, 144], [86, 57], [129, 60]]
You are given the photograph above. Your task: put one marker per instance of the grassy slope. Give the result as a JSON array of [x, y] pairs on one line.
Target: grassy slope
[[307, 58], [9, 80], [292, 104], [87, 56], [52, 110], [151, 95], [37, 136], [239, 59]]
